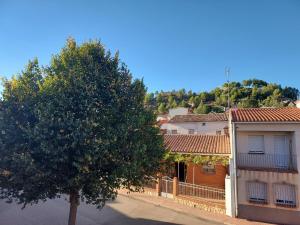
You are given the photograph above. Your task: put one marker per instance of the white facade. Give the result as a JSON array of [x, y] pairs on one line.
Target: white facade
[[297, 103], [178, 111], [210, 128]]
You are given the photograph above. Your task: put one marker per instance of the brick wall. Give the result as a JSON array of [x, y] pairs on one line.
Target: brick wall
[[216, 180]]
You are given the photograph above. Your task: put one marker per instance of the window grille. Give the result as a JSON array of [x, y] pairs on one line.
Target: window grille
[[257, 192], [285, 195]]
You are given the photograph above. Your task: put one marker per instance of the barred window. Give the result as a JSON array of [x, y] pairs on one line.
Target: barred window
[[285, 195], [174, 131], [257, 192], [209, 168]]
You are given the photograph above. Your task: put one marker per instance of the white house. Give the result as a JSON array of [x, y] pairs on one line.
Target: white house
[[185, 123]]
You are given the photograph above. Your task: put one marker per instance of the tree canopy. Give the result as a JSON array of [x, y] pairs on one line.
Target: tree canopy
[[248, 93], [78, 127]]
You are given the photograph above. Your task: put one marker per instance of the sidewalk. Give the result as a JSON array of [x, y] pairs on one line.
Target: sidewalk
[[170, 204]]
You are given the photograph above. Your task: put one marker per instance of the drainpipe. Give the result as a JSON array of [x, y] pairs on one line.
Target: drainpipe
[[234, 154]]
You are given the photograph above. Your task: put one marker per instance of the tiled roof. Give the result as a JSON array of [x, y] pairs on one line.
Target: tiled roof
[[210, 117], [287, 114], [201, 144]]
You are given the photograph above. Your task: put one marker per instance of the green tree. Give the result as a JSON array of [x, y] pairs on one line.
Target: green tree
[[274, 100], [183, 104], [162, 108], [259, 83], [80, 130], [247, 83], [248, 103], [204, 96], [202, 109], [171, 102], [290, 93], [149, 100]]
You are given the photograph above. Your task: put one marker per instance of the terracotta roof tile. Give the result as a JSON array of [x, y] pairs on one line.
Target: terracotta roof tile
[[287, 114], [201, 144], [210, 117]]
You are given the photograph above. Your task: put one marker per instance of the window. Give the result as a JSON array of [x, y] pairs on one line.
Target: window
[[257, 192], [191, 131], [256, 144], [285, 195], [173, 131], [209, 168], [218, 132], [163, 131], [203, 124]]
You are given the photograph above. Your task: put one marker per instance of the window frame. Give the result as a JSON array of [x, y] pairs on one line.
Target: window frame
[[174, 131], [208, 169]]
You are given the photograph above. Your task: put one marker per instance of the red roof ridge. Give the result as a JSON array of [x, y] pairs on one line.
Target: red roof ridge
[[270, 114]]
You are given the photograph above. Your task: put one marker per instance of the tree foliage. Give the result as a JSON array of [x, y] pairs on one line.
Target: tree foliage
[[248, 93], [170, 158], [78, 127]]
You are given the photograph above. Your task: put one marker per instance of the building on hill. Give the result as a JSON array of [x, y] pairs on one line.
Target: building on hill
[[211, 123]]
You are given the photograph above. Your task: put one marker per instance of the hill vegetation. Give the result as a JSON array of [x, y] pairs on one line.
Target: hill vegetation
[[245, 94]]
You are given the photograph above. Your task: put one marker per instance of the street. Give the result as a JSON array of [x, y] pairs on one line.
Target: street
[[123, 211]]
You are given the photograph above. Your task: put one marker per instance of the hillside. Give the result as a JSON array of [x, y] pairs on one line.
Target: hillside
[[249, 93]]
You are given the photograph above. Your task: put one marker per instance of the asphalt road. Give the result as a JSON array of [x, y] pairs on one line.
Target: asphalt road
[[123, 211]]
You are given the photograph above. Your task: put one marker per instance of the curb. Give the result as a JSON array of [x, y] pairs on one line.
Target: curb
[[176, 210]]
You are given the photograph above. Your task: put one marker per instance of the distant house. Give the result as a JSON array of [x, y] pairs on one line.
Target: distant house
[[186, 123]]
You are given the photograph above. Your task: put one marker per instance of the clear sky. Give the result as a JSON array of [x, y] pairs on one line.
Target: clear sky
[[173, 44]]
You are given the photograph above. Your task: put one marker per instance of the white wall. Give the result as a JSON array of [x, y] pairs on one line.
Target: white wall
[[178, 111], [208, 128]]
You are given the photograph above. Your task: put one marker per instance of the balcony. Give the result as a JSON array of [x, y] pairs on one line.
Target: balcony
[[267, 162]]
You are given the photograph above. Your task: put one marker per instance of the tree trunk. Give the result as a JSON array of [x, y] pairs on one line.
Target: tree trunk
[[74, 202]]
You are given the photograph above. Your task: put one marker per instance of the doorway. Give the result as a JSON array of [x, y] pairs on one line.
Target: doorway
[[180, 169]]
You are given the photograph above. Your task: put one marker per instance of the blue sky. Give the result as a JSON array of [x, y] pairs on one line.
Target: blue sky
[[173, 44]]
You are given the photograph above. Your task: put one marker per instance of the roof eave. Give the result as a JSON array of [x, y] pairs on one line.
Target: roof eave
[[205, 154]]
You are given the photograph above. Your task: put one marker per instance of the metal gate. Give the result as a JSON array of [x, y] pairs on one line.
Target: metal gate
[[167, 187]]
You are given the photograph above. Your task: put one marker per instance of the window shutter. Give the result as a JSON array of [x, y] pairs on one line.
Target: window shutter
[[256, 144], [257, 192]]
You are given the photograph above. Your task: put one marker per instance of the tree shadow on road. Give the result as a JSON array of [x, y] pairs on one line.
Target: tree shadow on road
[[55, 212]]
